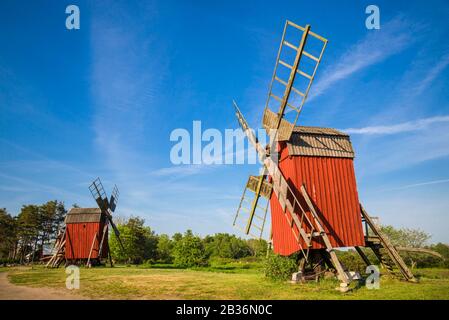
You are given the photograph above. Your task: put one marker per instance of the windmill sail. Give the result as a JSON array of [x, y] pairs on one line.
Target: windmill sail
[[107, 206], [251, 212], [293, 75]]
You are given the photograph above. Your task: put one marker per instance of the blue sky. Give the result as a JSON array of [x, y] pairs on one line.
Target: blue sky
[[103, 100]]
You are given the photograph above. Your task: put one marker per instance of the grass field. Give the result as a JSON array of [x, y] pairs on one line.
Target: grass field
[[123, 282]]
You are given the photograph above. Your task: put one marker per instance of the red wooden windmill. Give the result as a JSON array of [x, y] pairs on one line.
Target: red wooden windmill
[[85, 238], [315, 206]]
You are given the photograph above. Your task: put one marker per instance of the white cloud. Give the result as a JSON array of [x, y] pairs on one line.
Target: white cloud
[[398, 152], [421, 184], [394, 37], [398, 128], [432, 74], [180, 170]]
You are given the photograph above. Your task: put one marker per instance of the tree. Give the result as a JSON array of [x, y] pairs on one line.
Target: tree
[[189, 251], [51, 218], [8, 235], [165, 249], [406, 237], [414, 238], [442, 249], [278, 267], [177, 236], [29, 224], [139, 242], [35, 226], [224, 245], [258, 247]]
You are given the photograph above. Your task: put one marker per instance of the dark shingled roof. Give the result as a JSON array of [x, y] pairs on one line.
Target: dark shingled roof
[[80, 215], [319, 142]]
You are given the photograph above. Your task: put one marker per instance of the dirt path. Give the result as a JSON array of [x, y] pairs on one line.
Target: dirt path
[[9, 291]]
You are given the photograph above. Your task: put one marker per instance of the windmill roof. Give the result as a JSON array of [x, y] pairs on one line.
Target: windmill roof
[[319, 130], [79, 215], [319, 142]]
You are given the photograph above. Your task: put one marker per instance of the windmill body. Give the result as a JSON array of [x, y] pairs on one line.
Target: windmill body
[[322, 160], [85, 227]]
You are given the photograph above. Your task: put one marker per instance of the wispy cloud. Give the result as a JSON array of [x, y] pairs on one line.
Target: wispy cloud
[[42, 162], [126, 73], [398, 128], [394, 37], [181, 170], [401, 151], [432, 74], [30, 186], [421, 184]]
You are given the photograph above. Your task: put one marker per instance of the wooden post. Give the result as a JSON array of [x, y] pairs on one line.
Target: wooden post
[[91, 248], [100, 249], [110, 257]]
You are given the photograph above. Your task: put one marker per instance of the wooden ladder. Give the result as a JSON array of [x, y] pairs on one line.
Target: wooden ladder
[[382, 241]]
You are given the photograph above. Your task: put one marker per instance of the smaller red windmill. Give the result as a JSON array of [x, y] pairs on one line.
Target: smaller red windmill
[[85, 238]]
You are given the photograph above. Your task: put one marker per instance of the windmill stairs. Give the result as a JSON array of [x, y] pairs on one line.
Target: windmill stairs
[[383, 249]]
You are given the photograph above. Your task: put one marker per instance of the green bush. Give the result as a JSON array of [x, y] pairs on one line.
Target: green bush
[[189, 251], [280, 268], [224, 245], [217, 261], [352, 260], [139, 242], [165, 249]]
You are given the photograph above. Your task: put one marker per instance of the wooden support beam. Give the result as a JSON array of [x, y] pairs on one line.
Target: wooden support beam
[[421, 250], [100, 248], [91, 249], [363, 255]]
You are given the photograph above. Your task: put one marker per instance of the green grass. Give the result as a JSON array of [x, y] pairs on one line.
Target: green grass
[[229, 282]]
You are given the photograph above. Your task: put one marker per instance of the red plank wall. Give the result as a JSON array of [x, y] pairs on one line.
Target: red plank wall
[[331, 184], [79, 237]]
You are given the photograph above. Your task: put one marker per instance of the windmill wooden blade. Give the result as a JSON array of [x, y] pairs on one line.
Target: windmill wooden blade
[[249, 132], [114, 198], [98, 193], [116, 231], [265, 188], [258, 185], [107, 206], [293, 75], [251, 212]]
